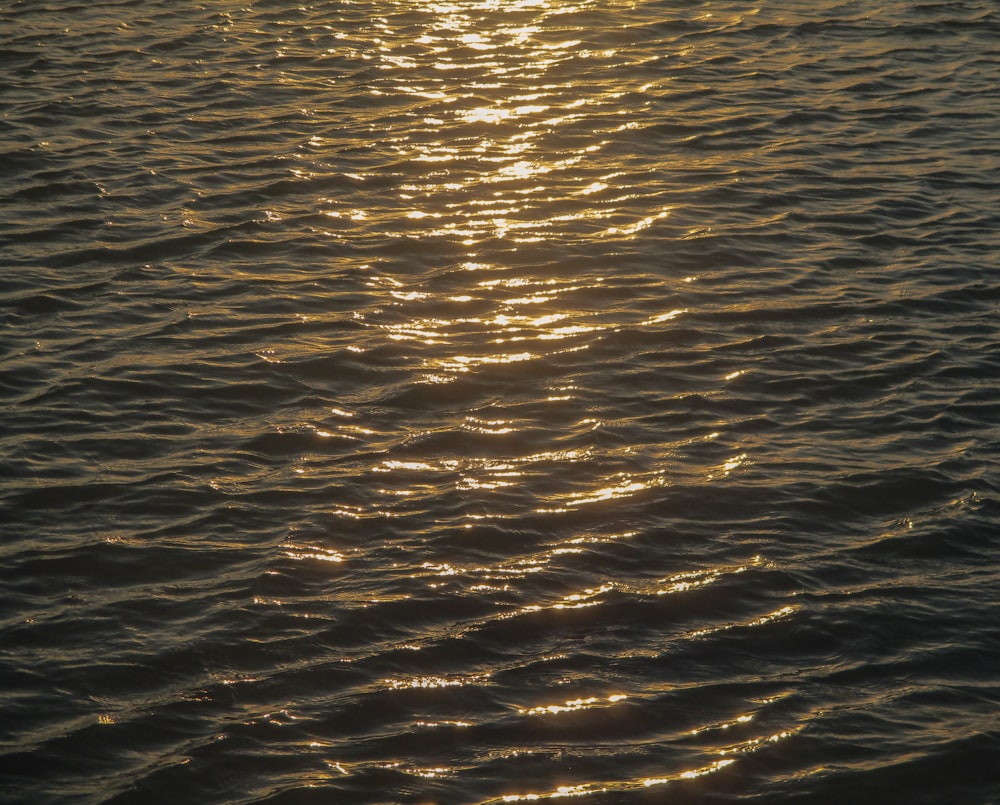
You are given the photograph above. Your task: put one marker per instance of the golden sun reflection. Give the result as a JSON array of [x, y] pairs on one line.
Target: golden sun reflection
[[304, 552], [724, 725], [575, 600], [756, 743], [436, 682], [573, 705], [689, 580], [620, 487], [494, 157], [500, 132], [444, 723], [562, 791], [775, 615], [592, 788], [711, 768]]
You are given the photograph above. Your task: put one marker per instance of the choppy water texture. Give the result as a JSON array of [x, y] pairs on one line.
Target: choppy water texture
[[493, 401]]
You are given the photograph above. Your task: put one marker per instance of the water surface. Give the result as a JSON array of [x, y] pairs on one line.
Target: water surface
[[494, 401]]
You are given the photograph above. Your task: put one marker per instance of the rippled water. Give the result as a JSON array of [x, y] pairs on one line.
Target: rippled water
[[498, 400]]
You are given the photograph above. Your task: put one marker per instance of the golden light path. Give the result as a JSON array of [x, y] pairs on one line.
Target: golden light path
[[498, 152], [499, 149]]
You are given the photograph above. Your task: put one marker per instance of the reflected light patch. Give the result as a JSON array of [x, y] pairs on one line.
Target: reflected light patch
[[623, 489], [304, 552], [463, 363], [778, 614], [586, 594], [757, 743], [337, 766], [730, 466], [437, 771], [734, 463], [416, 466], [662, 317], [763, 620], [493, 427], [689, 775], [485, 114], [638, 226], [725, 725], [562, 791], [692, 579], [573, 705], [436, 682]]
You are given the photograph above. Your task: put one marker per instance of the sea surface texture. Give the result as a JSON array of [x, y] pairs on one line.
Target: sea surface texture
[[480, 401]]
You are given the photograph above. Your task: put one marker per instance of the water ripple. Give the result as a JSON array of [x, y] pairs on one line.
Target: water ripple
[[498, 402]]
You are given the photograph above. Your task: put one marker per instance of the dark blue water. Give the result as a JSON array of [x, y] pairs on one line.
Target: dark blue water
[[498, 401]]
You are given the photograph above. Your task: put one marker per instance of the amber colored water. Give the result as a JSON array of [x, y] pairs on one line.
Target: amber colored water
[[499, 401]]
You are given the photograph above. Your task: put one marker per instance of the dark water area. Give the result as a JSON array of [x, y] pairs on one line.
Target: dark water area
[[499, 401]]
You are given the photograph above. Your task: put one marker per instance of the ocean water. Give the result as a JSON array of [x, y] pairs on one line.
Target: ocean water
[[485, 401]]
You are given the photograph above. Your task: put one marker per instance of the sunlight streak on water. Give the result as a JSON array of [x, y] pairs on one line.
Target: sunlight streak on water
[[498, 400]]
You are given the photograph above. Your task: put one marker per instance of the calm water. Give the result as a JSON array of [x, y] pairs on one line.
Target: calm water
[[500, 400]]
